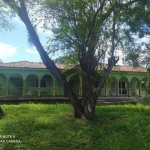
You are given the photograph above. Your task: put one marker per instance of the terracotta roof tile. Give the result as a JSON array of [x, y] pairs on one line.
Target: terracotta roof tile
[[23, 64], [27, 64], [129, 68], [39, 65]]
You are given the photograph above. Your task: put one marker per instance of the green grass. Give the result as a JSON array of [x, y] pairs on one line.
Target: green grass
[[52, 127]]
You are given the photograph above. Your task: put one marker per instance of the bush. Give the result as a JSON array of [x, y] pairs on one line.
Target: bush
[[146, 100], [134, 101]]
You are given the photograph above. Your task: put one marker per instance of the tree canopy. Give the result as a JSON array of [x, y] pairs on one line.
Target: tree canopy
[[89, 29], [137, 33], [67, 60], [4, 23]]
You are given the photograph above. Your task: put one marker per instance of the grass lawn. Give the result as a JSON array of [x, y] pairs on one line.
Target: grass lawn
[[52, 127]]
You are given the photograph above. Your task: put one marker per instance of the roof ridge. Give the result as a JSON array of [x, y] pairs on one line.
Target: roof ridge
[[40, 65]]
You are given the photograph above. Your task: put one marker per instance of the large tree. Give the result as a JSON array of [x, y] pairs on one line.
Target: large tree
[[89, 28]]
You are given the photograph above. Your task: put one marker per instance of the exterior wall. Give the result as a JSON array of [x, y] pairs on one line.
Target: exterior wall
[[27, 82], [15, 85], [2, 84], [124, 84], [39, 82]]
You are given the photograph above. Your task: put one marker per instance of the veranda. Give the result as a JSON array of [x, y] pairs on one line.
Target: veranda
[[25, 79]]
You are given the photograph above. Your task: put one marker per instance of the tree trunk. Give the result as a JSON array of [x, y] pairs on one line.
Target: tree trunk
[[89, 94], [88, 104], [89, 98]]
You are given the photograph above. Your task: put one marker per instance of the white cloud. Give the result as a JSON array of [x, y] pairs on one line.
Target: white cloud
[[7, 50], [17, 19], [31, 51]]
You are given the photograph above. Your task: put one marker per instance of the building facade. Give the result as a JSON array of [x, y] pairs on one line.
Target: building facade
[[25, 79]]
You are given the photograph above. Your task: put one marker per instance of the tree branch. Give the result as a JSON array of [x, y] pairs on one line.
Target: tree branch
[[93, 22]]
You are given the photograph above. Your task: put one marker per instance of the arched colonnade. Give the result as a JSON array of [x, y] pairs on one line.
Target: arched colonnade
[[32, 85], [124, 86], [44, 84]]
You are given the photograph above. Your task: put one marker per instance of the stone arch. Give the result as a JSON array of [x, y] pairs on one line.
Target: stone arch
[[74, 81], [112, 86], [46, 85], [15, 84], [31, 85], [123, 86], [2, 75], [134, 86], [32, 80], [46, 81], [3, 83], [145, 86]]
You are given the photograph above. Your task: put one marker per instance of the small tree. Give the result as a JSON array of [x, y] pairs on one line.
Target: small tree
[[4, 25], [88, 28]]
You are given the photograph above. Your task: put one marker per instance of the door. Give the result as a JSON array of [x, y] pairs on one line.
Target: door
[[122, 88], [113, 88]]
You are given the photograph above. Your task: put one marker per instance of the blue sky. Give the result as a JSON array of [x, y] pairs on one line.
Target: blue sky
[[14, 45]]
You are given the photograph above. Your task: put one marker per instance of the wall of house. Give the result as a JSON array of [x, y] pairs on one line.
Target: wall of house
[[2, 84], [125, 83], [39, 82], [28, 82]]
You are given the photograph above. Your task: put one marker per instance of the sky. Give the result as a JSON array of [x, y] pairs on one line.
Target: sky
[[14, 44]]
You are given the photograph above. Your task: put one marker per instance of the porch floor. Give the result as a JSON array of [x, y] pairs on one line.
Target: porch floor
[[32, 98], [100, 101]]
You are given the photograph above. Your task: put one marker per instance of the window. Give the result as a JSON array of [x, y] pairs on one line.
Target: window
[[122, 85], [48, 82], [45, 82], [113, 90], [34, 83], [122, 88], [113, 85]]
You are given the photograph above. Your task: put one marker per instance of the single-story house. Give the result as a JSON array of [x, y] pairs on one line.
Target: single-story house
[[25, 78]]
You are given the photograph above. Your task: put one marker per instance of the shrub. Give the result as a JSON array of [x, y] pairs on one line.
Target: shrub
[[134, 100], [146, 100]]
